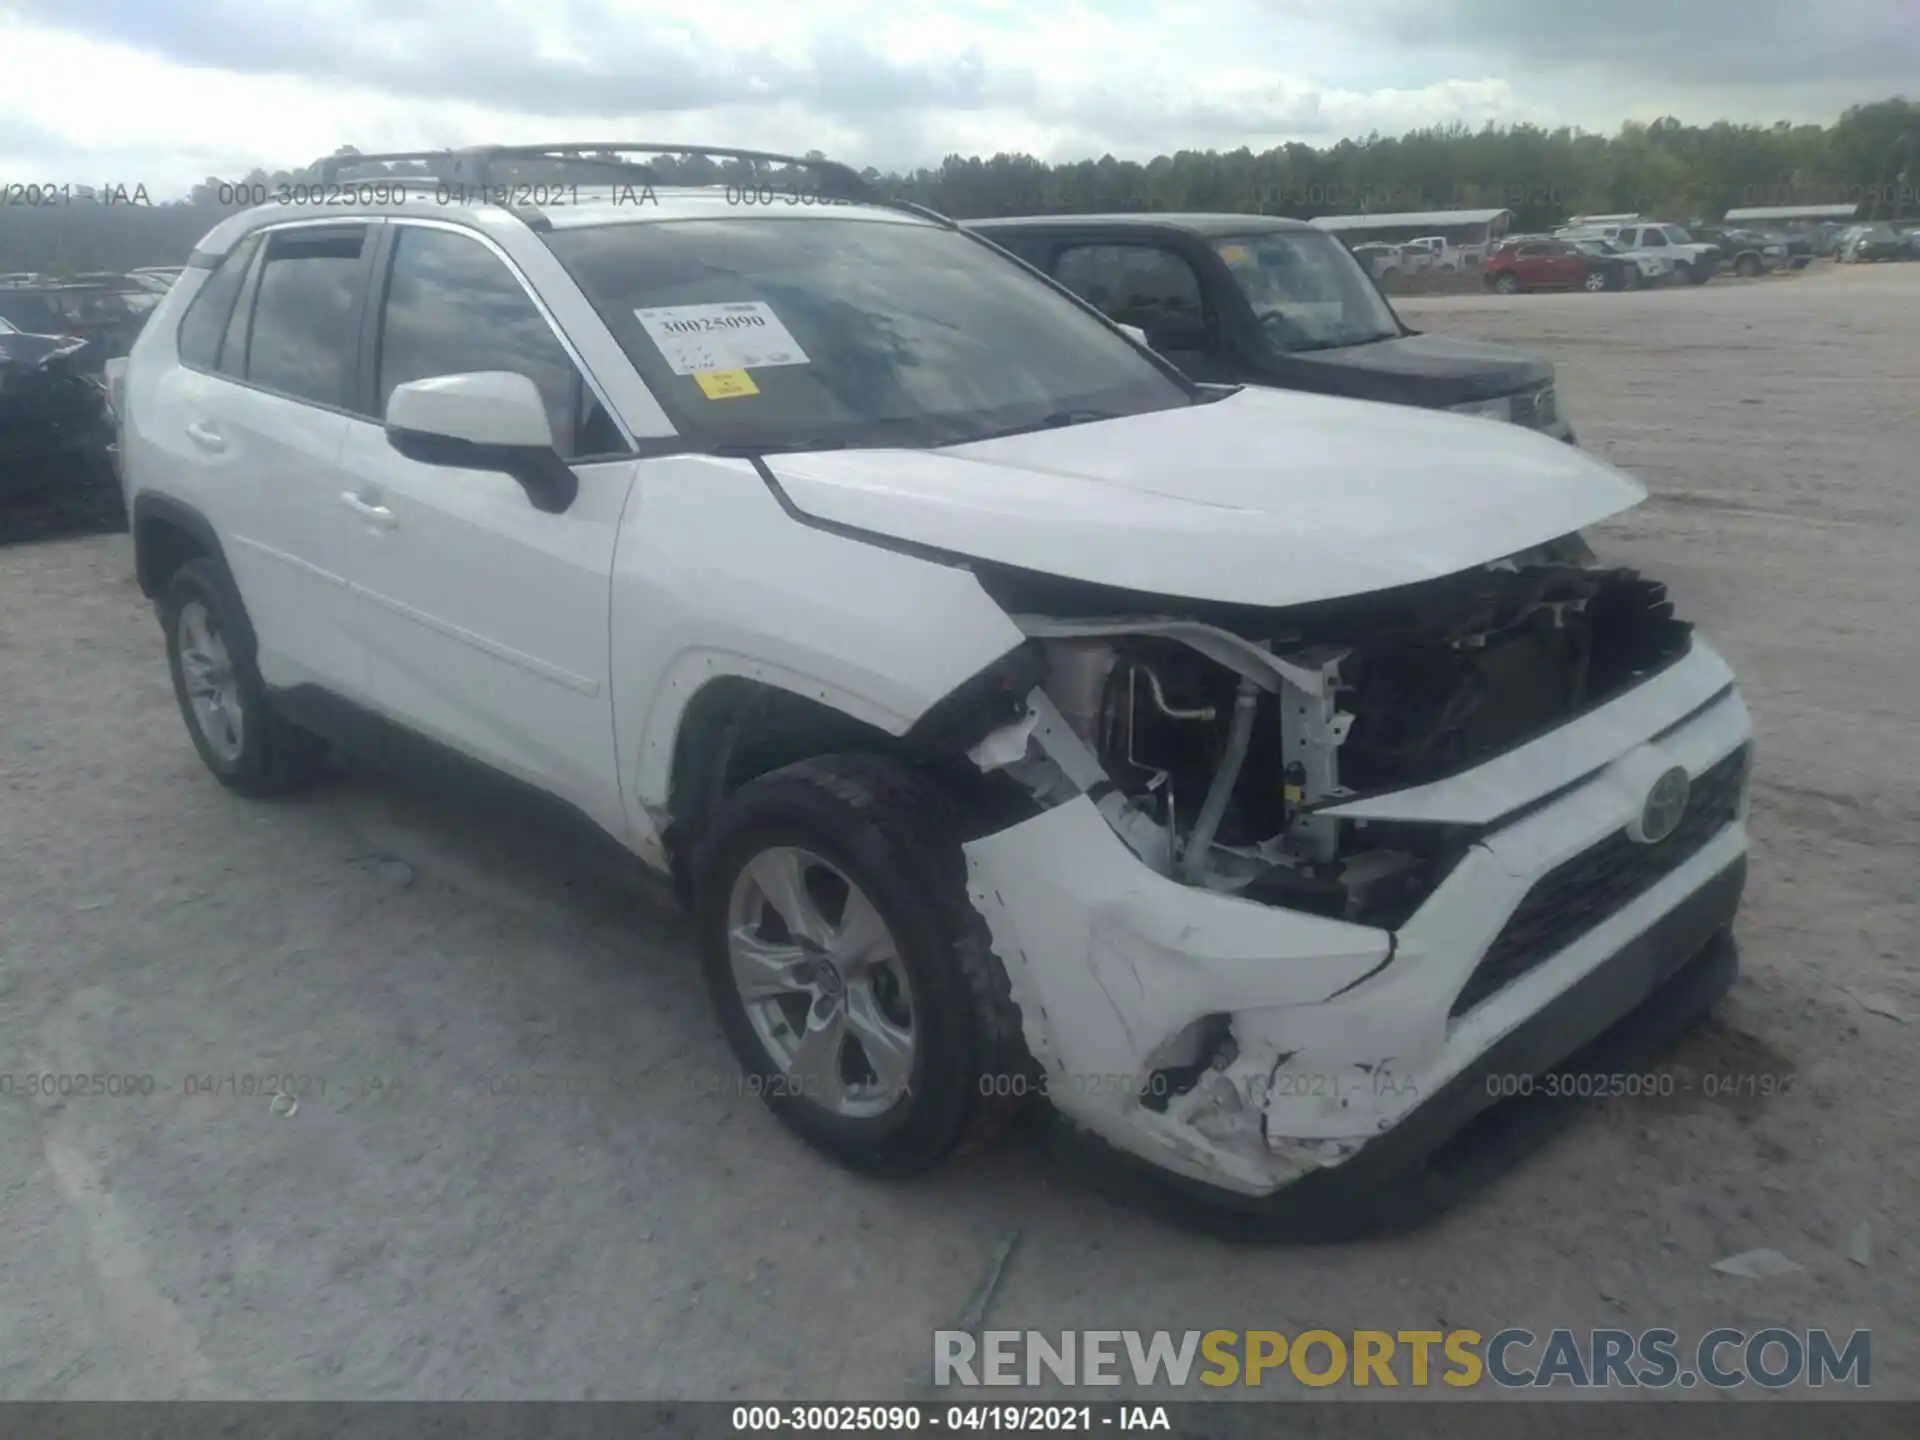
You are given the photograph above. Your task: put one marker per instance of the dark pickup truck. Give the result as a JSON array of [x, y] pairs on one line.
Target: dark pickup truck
[[1258, 300]]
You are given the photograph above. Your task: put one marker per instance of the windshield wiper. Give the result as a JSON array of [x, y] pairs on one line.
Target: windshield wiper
[[748, 449], [1054, 420]]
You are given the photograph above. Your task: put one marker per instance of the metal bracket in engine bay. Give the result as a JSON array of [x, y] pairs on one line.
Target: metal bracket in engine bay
[[1313, 727]]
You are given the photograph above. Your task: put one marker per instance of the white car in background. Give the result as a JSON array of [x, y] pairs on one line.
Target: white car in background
[[1263, 778], [1432, 253]]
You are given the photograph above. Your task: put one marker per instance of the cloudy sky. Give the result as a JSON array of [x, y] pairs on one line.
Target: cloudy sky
[[165, 92]]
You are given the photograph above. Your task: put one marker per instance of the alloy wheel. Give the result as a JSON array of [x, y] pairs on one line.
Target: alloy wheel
[[213, 689], [822, 983]]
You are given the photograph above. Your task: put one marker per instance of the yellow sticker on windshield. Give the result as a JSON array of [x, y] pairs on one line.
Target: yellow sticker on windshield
[[1234, 254], [725, 384]]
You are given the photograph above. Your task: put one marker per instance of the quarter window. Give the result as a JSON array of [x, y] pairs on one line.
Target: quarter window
[[453, 307], [206, 318]]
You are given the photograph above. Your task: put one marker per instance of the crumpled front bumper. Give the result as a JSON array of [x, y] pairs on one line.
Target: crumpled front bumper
[[1343, 1037]]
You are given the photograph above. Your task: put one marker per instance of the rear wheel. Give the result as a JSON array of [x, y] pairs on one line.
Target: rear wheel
[[1595, 282], [1629, 277], [248, 746], [1747, 266], [1506, 284], [852, 976]]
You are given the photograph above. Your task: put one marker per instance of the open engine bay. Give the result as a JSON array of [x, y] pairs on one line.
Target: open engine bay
[[1214, 742]]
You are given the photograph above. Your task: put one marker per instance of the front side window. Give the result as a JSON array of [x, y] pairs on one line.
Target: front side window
[[1651, 238], [1141, 285], [306, 310], [1675, 234], [453, 307], [1306, 291], [824, 332]]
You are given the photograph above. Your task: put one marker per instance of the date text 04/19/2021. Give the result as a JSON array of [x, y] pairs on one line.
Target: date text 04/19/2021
[[961, 1419]]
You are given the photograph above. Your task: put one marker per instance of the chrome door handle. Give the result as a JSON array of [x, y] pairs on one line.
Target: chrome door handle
[[206, 437], [376, 515]]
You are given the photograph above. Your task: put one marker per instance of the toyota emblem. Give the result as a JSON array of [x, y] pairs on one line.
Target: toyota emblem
[[1666, 804]]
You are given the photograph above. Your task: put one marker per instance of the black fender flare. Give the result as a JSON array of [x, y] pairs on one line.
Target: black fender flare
[[149, 508]]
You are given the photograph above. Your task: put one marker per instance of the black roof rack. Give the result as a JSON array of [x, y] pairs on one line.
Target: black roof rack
[[476, 165]]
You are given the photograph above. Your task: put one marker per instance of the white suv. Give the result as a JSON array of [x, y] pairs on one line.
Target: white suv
[[1271, 781]]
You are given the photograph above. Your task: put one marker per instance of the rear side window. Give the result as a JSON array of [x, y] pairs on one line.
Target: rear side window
[[305, 331], [206, 318]]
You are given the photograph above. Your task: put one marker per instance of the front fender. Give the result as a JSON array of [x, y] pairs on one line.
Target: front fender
[[714, 578]]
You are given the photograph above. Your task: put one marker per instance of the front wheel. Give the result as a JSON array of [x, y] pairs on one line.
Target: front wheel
[[852, 976], [1630, 277], [1505, 284], [1746, 267], [1595, 282]]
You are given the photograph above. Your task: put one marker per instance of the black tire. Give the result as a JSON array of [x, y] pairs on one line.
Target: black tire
[[1629, 277], [897, 836], [275, 755], [1747, 266], [1505, 284]]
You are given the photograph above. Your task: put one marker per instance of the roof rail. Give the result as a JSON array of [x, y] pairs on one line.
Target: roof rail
[[474, 164]]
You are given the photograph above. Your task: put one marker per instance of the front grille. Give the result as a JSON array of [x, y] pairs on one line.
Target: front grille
[[1536, 409], [1580, 893]]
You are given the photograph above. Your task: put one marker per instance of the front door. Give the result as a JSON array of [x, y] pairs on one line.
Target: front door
[[484, 622]]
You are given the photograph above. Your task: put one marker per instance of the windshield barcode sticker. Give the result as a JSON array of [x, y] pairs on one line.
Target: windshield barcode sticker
[[743, 335]]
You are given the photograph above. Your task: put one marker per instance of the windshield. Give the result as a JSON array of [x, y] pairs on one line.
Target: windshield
[[856, 332], [1307, 291]]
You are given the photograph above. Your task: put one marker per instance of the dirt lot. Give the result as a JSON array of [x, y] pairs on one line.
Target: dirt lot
[[419, 1230]]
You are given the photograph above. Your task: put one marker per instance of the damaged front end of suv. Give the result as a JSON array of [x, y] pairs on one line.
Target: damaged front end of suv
[[1301, 875]]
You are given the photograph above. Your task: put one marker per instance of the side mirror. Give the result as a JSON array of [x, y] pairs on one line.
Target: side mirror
[[486, 420], [1136, 334]]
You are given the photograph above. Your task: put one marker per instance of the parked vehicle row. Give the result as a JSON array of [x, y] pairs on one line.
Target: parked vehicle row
[[1532, 262], [1015, 710], [1863, 244]]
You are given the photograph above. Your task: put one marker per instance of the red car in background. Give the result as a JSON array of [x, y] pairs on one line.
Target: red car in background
[[1543, 263]]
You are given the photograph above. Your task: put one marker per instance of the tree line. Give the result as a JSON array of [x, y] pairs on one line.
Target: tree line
[[1869, 157]]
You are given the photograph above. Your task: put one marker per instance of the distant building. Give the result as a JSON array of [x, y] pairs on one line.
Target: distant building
[[1476, 229]]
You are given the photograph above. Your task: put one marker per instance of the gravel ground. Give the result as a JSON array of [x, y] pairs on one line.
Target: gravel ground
[[417, 1228]]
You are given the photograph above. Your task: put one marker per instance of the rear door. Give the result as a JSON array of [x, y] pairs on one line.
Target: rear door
[[1533, 266], [1566, 264], [269, 352], [484, 622]]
